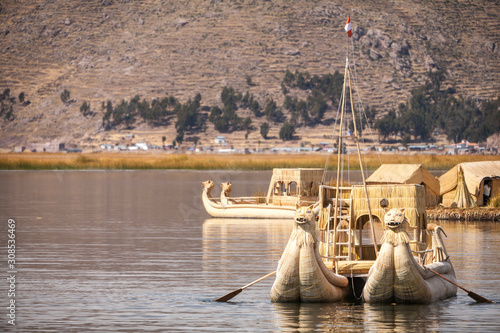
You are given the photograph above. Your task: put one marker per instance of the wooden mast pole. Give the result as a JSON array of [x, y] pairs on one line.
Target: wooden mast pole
[[339, 153], [356, 137]]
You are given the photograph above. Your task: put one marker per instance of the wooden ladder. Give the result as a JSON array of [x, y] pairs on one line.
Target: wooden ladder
[[342, 229]]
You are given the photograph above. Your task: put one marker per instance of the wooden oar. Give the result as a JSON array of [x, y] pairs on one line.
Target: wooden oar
[[476, 297], [230, 295]]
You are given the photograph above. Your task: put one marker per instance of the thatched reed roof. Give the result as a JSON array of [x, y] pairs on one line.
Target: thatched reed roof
[[404, 174], [411, 197], [474, 173], [463, 198], [305, 178]]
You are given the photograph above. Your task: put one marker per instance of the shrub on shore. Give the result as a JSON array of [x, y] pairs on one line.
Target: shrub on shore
[[495, 202]]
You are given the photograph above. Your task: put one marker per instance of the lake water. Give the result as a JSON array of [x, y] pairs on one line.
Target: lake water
[[135, 251]]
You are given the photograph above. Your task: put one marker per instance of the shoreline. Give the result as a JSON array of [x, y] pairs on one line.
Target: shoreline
[[246, 162], [243, 162], [463, 214]]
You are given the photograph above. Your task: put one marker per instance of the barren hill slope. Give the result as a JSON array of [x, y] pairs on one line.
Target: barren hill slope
[[103, 50]]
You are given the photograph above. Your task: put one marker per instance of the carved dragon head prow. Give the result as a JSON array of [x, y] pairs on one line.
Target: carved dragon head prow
[[208, 186], [304, 215], [394, 218], [395, 228], [304, 227], [227, 188]]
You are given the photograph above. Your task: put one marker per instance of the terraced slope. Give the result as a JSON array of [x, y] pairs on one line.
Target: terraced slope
[[115, 49]]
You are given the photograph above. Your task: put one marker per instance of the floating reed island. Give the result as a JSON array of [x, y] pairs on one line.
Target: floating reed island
[[464, 214]]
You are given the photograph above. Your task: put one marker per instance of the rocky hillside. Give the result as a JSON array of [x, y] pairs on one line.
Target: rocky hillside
[[102, 50]]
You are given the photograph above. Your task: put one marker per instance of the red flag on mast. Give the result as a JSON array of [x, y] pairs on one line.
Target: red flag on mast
[[348, 26]]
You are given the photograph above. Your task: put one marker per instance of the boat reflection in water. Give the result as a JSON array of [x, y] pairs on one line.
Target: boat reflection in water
[[244, 245], [357, 317]]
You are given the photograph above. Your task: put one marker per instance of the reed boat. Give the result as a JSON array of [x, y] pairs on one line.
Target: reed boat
[[379, 238], [361, 237], [288, 189]]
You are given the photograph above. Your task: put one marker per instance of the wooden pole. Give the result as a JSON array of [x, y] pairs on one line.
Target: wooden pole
[[339, 153], [233, 293], [356, 137], [473, 295]]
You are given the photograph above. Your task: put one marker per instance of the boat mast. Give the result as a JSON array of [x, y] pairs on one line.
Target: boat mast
[[347, 79]]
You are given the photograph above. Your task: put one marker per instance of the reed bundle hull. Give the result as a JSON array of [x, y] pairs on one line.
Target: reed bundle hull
[[288, 189], [259, 211], [396, 275], [301, 275]]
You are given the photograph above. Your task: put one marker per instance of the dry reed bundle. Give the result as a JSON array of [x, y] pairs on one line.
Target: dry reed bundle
[[463, 198], [397, 277], [464, 214], [410, 196], [146, 160], [301, 275]]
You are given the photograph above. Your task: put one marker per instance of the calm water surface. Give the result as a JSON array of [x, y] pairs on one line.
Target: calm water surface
[[135, 251]]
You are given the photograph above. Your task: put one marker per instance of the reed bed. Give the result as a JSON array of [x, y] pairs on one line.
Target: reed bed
[[464, 214], [121, 161]]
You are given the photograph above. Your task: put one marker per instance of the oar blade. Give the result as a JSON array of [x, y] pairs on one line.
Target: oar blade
[[228, 296], [478, 298]]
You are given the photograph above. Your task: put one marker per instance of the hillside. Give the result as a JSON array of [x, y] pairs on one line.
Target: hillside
[[102, 50]]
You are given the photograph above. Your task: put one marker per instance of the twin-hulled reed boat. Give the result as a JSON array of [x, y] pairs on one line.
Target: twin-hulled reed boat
[[367, 242], [391, 265], [288, 189]]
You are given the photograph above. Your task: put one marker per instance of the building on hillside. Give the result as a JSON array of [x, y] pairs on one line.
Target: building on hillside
[[107, 147], [220, 139], [19, 149], [46, 147]]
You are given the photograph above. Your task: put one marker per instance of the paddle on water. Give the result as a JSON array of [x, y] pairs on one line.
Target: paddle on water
[[230, 295], [476, 297]]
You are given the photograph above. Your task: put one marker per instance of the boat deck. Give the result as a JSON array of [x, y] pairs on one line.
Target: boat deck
[[348, 267]]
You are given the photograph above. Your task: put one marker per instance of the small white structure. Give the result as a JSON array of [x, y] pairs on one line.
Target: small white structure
[[141, 145], [220, 139], [107, 146]]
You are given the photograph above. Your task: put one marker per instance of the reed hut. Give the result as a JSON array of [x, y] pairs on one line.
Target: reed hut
[[301, 183], [407, 174], [475, 176]]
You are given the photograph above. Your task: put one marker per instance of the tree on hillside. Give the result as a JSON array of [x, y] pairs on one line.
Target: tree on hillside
[[317, 106], [255, 108], [321, 89], [5, 94], [7, 111], [388, 125], [272, 112], [371, 114], [287, 131], [419, 116], [246, 124], [180, 137], [491, 110], [264, 130], [85, 109], [106, 118], [65, 96], [188, 115], [119, 113], [248, 78], [465, 118], [289, 78], [227, 119]]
